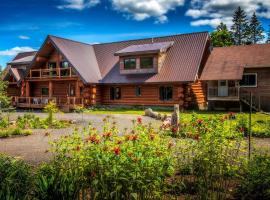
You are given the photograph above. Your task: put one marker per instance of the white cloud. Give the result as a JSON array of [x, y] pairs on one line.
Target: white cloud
[[144, 9], [78, 4], [14, 51], [24, 37], [209, 12]]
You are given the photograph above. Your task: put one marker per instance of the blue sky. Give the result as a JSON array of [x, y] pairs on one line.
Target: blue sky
[[26, 23]]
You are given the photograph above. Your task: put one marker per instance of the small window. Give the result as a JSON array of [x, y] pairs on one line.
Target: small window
[[44, 91], [130, 63], [166, 93], [146, 62], [249, 80], [138, 91], [64, 64], [115, 93]]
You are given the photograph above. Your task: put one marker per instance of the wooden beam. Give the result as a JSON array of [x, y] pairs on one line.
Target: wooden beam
[[50, 89], [27, 88], [77, 90], [41, 59]]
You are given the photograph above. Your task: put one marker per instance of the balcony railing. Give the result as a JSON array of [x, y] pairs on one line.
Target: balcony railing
[[41, 102], [232, 94], [52, 73]]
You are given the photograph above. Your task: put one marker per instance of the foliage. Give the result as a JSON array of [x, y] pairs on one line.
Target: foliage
[[11, 131], [255, 184], [221, 37], [255, 30], [4, 99], [15, 178], [109, 166], [35, 122], [240, 27], [51, 108], [268, 35]]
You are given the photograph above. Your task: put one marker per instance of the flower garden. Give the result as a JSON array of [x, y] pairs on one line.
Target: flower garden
[[206, 157]]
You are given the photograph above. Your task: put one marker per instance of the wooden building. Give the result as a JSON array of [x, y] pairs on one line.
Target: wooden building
[[159, 71]]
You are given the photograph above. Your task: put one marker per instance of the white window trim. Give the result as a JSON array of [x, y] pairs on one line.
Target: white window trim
[[250, 86]]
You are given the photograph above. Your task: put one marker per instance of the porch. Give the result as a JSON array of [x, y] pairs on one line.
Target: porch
[[52, 73], [223, 90], [41, 102]]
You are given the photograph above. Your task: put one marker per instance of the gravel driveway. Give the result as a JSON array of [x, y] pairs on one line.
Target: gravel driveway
[[34, 148]]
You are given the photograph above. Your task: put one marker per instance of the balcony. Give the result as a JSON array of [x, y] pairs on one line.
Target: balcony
[[223, 94], [52, 73]]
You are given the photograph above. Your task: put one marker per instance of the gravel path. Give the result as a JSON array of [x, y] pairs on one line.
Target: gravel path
[[34, 148]]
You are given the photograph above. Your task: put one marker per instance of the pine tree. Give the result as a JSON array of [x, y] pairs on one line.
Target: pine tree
[[221, 37], [240, 27], [255, 30], [268, 35]]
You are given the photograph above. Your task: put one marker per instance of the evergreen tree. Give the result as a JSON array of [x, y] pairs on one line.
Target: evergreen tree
[[221, 37], [268, 35], [255, 30], [240, 27]]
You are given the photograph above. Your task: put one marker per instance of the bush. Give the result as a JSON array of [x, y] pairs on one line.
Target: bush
[[35, 122], [13, 131], [255, 184], [15, 178], [108, 166]]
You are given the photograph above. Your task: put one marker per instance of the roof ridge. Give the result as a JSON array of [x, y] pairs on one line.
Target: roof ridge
[[245, 45], [165, 36], [69, 40]]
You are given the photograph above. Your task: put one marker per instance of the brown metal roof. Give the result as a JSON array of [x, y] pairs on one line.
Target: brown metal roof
[[81, 56], [24, 54], [157, 47], [228, 63], [181, 64]]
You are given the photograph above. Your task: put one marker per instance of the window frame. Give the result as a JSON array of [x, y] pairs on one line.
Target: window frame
[[61, 64], [52, 62], [250, 86], [145, 57], [165, 88], [138, 91], [130, 58]]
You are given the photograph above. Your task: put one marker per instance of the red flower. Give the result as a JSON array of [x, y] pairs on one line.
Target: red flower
[[117, 150], [197, 137], [107, 135], [139, 120], [199, 121], [119, 142], [242, 129], [174, 129], [152, 136]]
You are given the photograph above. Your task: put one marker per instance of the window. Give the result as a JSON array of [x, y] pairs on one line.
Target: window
[[138, 91], [64, 64], [115, 93], [165, 93], [146, 62], [44, 91], [52, 65], [249, 80], [130, 63]]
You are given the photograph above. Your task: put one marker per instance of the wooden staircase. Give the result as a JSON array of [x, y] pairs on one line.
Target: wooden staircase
[[251, 99], [198, 91]]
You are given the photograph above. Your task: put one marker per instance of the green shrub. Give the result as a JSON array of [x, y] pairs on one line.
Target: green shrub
[[255, 184], [51, 108], [15, 178], [11, 131]]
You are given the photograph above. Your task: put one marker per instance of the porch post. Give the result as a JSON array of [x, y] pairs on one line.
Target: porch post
[[50, 89], [77, 92], [93, 94], [27, 88]]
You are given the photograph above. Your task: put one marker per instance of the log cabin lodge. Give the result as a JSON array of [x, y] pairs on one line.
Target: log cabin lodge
[[179, 69]]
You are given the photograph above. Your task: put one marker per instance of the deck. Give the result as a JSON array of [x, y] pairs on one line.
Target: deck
[[41, 102]]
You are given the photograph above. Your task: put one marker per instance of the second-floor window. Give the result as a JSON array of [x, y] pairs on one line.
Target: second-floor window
[[52, 65], [64, 64], [130, 63], [44, 91], [146, 62]]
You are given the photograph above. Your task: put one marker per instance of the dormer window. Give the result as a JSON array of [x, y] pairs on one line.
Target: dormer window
[[146, 62], [64, 64], [130, 63]]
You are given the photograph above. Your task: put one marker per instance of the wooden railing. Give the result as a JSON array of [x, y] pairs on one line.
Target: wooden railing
[[52, 73], [232, 92], [40, 102]]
